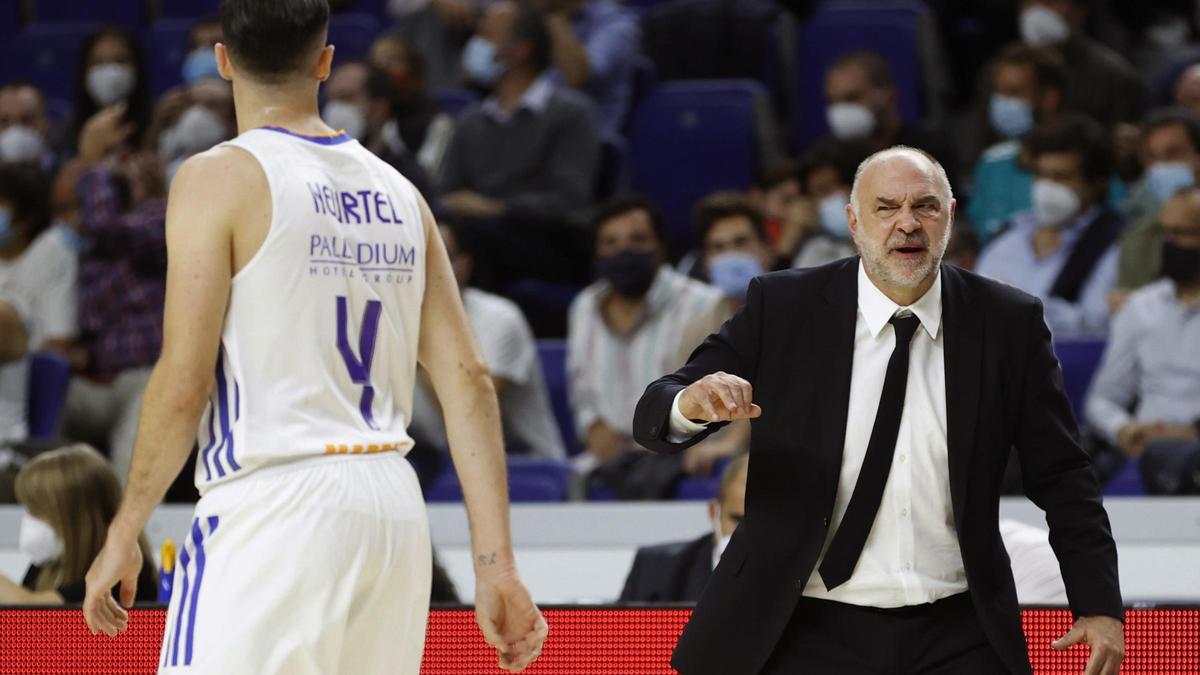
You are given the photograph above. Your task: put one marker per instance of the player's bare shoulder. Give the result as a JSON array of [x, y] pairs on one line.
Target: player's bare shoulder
[[223, 175]]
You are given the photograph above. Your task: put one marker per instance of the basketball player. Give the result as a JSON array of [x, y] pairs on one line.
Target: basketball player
[[311, 275]]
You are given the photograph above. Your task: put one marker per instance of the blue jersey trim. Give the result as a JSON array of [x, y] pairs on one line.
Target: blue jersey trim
[[334, 139]]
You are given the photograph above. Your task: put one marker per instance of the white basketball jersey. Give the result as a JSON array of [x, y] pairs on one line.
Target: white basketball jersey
[[319, 348]]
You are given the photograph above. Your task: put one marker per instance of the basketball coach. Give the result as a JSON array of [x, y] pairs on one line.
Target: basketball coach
[[887, 392]]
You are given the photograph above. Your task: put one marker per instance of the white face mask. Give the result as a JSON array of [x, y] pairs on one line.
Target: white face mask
[[1042, 26], [1054, 203], [197, 130], [346, 116], [850, 120], [110, 82], [20, 144], [38, 541], [831, 212]]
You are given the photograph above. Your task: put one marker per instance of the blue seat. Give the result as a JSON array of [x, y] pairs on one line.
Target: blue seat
[[838, 27], [553, 356], [352, 35], [10, 18], [454, 100], [374, 8], [48, 55], [125, 13], [691, 138], [167, 41], [187, 9], [1079, 359], [697, 488], [49, 376], [1126, 482], [529, 480]]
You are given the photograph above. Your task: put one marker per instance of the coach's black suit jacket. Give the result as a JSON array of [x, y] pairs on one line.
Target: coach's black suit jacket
[[794, 342]]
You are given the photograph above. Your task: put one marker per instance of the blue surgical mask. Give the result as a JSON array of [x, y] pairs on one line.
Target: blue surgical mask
[[200, 64], [479, 62], [831, 211], [732, 272], [1011, 117], [7, 232], [1166, 178]]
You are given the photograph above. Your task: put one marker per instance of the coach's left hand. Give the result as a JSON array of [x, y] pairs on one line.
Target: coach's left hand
[[119, 561], [1105, 635]]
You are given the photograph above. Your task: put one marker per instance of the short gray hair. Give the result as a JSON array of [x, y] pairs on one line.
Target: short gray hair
[[896, 151]]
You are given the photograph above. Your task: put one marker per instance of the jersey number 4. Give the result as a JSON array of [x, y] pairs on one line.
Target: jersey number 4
[[359, 364]]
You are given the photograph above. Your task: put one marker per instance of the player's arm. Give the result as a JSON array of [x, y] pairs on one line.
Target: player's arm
[[461, 379], [207, 192]]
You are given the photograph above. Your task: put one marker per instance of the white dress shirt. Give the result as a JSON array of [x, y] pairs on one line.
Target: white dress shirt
[[911, 556]]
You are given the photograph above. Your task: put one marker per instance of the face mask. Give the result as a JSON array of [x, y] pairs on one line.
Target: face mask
[[197, 130], [479, 62], [1166, 178], [1042, 26], [831, 211], [200, 64], [71, 238], [38, 541], [7, 233], [732, 272], [1181, 265], [109, 83], [1053, 202], [1011, 117], [631, 273], [20, 144], [347, 117], [850, 120]]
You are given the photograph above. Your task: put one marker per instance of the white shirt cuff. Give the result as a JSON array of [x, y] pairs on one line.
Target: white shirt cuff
[[682, 428]]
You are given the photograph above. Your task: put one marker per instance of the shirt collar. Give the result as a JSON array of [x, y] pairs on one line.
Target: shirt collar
[[878, 308], [535, 99]]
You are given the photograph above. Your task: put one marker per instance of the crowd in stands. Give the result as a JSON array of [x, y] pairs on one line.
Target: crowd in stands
[[1070, 131]]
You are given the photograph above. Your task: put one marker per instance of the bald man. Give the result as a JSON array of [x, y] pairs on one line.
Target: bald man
[[885, 393]]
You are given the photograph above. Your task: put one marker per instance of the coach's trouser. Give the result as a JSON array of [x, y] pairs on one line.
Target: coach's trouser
[[322, 566]]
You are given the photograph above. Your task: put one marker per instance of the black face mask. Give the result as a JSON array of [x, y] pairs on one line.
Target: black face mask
[[630, 272], [1181, 265]]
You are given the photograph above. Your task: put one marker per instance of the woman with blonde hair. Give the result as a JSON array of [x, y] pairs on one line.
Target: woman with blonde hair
[[70, 496]]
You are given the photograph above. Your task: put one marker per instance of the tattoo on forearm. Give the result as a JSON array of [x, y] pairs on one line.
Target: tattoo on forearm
[[486, 560]]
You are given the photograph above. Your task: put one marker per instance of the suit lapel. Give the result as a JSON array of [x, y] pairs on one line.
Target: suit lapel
[[834, 340], [963, 361]]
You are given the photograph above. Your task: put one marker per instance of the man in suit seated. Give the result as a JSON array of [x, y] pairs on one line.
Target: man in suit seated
[[677, 572]]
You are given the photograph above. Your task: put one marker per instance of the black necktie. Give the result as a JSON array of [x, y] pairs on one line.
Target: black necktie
[[852, 533]]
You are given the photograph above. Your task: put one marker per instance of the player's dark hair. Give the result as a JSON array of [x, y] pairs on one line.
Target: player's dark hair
[[273, 39]]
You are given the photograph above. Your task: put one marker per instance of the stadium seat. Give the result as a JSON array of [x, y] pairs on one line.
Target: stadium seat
[[613, 176], [187, 9], [127, 13], [48, 56], [352, 35], [838, 27], [49, 375], [529, 480], [10, 19], [553, 355], [454, 100], [1079, 360], [691, 138], [167, 41], [1127, 482], [375, 8], [697, 488]]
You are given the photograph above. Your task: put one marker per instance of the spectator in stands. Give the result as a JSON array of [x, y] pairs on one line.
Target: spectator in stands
[[201, 61], [190, 119], [1170, 151], [511, 354], [826, 173], [1187, 89], [389, 112], [112, 76], [70, 496], [522, 163], [25, 127], [1148, 385], [420, 125], [594, 46], [864, 105], [1027, 90], [436, 30], [677, 572], [776, 194], [734, 244], [1063, 250], [14, 381], [963, 249], [622, 330], [1100, 82], [122, 267]]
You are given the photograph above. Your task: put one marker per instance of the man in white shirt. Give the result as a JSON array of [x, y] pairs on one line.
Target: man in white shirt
[[873, 546]]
